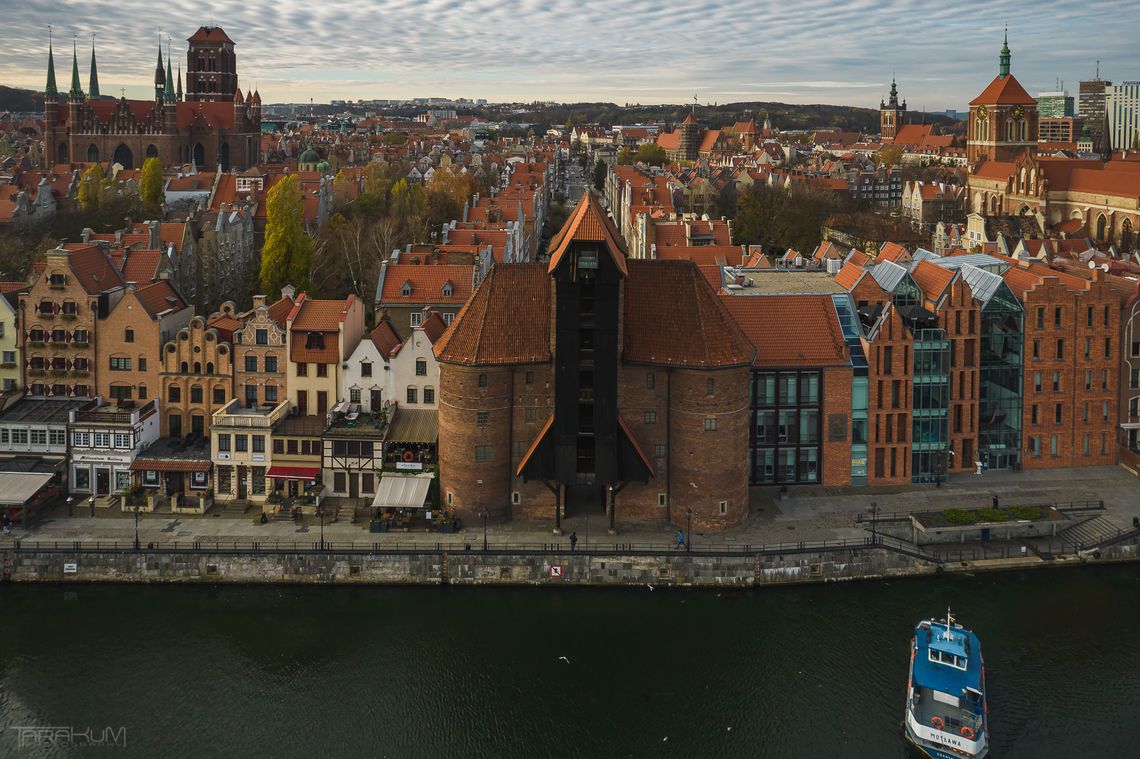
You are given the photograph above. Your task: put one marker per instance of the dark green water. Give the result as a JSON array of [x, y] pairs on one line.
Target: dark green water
[[798, 672]]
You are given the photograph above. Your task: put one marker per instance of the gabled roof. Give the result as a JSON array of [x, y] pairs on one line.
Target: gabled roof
[[93, 269], [384, 337], [427, 282], [888, 274], [210, 34], [931, 279], [849, 275], [159, 297], [1004, 90], [892, 251], [141, 266], [588, 223], [321, 315]]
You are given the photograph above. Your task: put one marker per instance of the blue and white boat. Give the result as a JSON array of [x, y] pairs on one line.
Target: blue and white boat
[[946, 716]]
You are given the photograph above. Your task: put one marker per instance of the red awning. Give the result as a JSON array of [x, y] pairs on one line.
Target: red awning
[[292, 473], [169, 465]]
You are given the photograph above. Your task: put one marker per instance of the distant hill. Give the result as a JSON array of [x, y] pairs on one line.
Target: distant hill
[[784, 116], [21, 101]]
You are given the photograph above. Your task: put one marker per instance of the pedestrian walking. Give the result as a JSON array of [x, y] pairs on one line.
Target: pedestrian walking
[[573, 541], [680, 539], [996, 501]]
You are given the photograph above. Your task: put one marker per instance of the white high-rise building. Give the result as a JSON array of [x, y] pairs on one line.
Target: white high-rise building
[[1122, 106]]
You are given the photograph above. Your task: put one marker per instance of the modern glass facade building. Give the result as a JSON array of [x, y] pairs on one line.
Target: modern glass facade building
[[930, 437], [787, 421], [1002, 349]]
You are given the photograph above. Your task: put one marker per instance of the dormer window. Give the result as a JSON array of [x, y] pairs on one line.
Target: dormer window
[[406, 290], [57, 280], [315, 341], [448, 289]]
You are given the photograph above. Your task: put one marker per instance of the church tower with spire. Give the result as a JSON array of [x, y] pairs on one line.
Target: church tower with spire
[[93, 86], [1003, 119], [891, 114]]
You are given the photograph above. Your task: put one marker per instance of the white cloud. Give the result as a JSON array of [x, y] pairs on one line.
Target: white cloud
[[636, 50]]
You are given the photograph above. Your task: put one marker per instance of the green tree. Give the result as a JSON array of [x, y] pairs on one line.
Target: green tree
[[91, 187], [409, 205], [287, 254], [651, 153], [393, 138], [453, 182], [625, 157], [151, 190], [599, 175]]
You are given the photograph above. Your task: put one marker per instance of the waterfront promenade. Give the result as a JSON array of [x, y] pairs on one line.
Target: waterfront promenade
[[802, 515]]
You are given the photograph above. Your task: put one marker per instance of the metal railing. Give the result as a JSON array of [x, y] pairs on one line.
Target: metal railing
[[1065, 507], [473, 545]]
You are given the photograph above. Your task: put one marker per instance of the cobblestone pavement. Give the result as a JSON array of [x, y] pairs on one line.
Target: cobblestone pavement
[[803, 514]]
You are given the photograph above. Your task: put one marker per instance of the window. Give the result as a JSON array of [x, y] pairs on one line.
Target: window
[[710, 386], [417, 318], [1088, 379], [261, 337], [710, 424], [367, 482], [482, 418], [1088, 347], [448, 318], [1033, 414], [291, 446], [651, 417], [174, 394], [142, 363], [271, 363], [659, 450], [1057, 317], [1037, 382], [888, 355], [1040, 317], [482, 380], [1108, 347], [241, 443], [661, 499], [196, 394], [1060, 348], [429, 394], [723, 508], [1056, 382], [78, 439], [421, 367], [1058, 413], [1053, 445], [259, 443], [102, 439], [322, 370], [339, 480], [302, 369], [412, 395], [258, 485], [251, 362], [365, 368], [529, 378], [354, 395], [121, 392], [128, 335], [271, 393], [1104, 411], [223, 443], [120, 364], [482, 453], [57, 437], [649, 380], [1088, 317], [315, 340], [1036, 350], [219, 395]]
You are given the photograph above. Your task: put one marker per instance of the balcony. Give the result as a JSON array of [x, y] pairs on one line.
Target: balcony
[[235, 415]]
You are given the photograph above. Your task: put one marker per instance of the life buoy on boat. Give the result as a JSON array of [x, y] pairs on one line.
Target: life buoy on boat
[[967, 732], [937, 723], [409, 456]]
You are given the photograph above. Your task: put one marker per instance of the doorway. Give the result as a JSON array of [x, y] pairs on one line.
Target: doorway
[[353, 485], [241, 488], [102, 481]]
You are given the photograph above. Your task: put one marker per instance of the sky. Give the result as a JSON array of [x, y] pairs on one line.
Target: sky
[[637, 51]]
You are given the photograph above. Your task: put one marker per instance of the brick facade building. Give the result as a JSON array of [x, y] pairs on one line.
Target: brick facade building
[[562, 390], [214, 126]]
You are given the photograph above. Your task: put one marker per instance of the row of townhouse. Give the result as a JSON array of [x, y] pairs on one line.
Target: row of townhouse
[[155, 387]]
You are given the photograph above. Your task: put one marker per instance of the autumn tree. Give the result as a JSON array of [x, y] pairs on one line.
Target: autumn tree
[[287, 254], [651, 153], [393, 138], [409, 207], [151, 190], [452, 181], [889, 155], [625, 157], [92, 184]]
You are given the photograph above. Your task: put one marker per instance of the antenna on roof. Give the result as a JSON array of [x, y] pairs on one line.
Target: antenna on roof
[[949, 621], [694, 104]]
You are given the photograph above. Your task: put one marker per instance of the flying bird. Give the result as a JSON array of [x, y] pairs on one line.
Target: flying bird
[[563, 658]]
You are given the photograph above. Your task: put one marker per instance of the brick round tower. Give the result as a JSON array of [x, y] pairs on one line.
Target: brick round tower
[[474, 442]]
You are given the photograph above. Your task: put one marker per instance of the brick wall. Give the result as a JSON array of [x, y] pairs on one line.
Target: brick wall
[[836, 469], [889, 421], [960, 316]]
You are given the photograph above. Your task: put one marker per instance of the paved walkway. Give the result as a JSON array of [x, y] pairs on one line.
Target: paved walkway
[[805, 514]]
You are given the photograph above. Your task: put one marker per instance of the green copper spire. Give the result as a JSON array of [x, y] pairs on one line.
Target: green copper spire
[[168, 93], [51, 90], [93, 88], [76, 90], [1003, 68]]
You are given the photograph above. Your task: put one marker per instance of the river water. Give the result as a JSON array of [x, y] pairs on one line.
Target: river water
[[815, 671]]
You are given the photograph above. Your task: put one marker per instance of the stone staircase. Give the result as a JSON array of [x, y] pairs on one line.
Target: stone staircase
[[346, 510], [236, 506], [1091, 532]]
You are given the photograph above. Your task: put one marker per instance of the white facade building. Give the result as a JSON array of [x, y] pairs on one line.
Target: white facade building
[[383, 368], [1122, 107], [104, 442]]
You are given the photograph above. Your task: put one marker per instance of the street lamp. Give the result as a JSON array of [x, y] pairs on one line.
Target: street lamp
[[483, 514], [70, 501], [91, 505], [689, 528], [136, 527], [321, 514], [874, 516]]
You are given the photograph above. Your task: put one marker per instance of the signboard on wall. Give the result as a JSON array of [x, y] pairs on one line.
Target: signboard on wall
[[836, 427]]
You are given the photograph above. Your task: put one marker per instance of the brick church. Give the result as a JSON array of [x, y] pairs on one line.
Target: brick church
[[212, 125]]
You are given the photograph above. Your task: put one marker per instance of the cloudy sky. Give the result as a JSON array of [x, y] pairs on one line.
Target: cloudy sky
[[807, 51]]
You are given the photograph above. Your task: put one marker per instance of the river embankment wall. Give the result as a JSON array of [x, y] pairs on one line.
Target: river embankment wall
[[474, 568]]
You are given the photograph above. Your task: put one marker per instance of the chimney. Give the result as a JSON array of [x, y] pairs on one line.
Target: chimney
[[258, 301], [288, 291]]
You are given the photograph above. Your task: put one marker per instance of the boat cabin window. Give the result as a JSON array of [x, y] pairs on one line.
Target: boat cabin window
[[958, 662]]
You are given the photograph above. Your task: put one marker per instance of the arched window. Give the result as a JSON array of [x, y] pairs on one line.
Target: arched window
[[151, 151], [124, 157], [209, 367], [1101, 227], [63, 154], [1126, 236], [197, 367], [92, 153], [185, 368]]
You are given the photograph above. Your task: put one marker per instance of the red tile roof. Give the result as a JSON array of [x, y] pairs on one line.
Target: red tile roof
[[506, 320], [210, 34], [893, 252], [790, 330], [433, 326], [317, 316], [427, 282], [932, 279], [849, 275], [93, 269], [686, 327], [384, 337], [702, 255], [1004, 90], [588, 223], [280, 310], [140, 266], [159, 297]]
